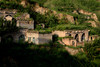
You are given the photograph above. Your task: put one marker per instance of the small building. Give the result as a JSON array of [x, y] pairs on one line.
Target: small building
[[38, 38], [78, 36], [31, 36], [25, 24], [24, 21]]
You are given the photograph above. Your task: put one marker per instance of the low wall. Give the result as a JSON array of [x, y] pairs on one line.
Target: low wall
[[59, 33], [45, 38]]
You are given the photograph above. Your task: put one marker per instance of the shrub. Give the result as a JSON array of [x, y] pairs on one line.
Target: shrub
[[91, 49]]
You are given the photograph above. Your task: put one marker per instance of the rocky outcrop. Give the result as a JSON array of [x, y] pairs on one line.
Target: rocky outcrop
[[73, 51], [90, 16], [39, 9], [93, 15], [24, 3], [85, 12], [70, 18], [60, 16], [43, 11], [67, 17], [93, 23]]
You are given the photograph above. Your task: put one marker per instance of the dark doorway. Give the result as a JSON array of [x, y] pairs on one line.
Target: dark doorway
[[83, 37], [55, 37], [21, 38], [77, 37], [91, 38]]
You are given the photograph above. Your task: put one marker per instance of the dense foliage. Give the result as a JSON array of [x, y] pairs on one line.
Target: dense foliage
[[37, 1], [7, 26], [11, 5], [22, 55], [69, 5], [92, 51], [47, 20]]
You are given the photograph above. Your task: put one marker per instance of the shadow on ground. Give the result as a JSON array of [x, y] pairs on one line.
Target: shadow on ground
[[19, 55]]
